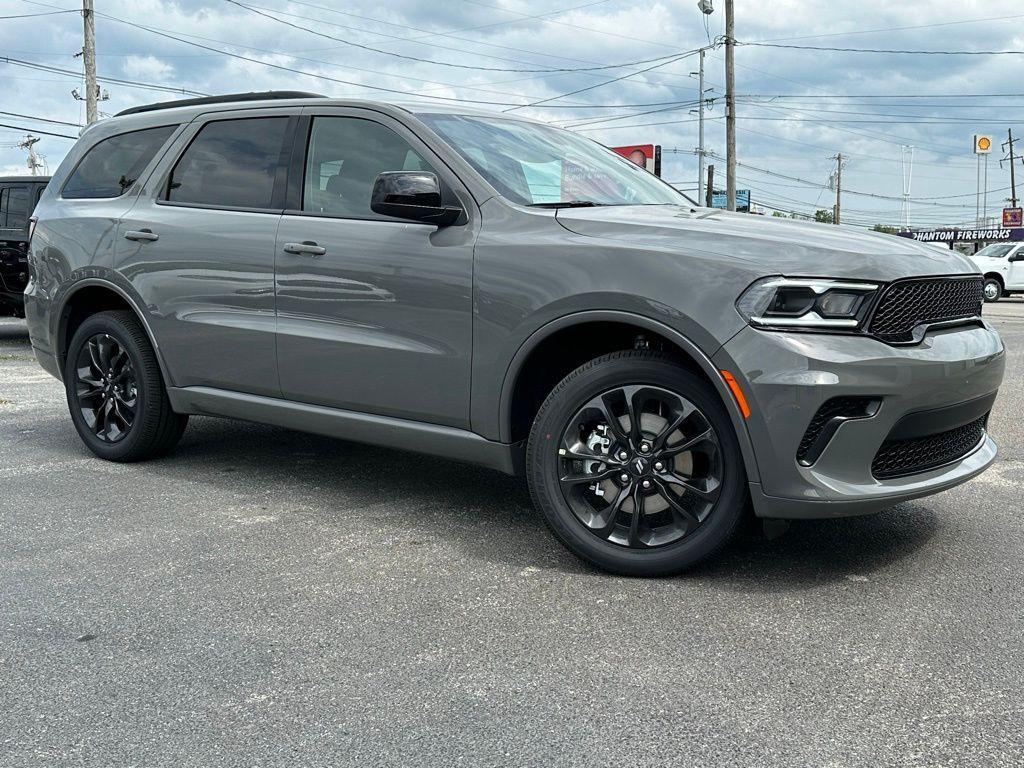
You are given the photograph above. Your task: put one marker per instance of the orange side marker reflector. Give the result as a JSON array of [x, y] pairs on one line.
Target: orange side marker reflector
[[734, 387]]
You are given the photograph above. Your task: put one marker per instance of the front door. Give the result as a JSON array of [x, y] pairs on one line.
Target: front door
[[374, 314], [1015, 271]]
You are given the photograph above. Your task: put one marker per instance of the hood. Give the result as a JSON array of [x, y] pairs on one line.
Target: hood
[[768, 245]]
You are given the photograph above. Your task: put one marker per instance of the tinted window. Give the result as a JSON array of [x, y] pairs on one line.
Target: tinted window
[[345, 155], [230, 163], [113, 165], [14, 207]]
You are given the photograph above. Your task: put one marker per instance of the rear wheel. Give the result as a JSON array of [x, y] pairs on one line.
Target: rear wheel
[[115, 392], [635, 466], [993, 289]]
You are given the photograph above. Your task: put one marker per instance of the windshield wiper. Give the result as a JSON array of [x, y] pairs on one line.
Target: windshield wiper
[[568, 204]]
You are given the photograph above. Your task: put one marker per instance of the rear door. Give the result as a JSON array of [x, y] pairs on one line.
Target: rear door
[[1015, 273], [377, 317], [199, 249]]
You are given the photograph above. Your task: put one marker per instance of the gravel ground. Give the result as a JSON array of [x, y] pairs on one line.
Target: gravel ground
[[264, 597]]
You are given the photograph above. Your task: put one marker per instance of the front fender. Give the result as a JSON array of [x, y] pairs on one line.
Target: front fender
[[701, 359]]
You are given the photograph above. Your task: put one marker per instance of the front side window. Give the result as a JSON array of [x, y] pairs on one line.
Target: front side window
[[345, 155], [113, 165], [14, 207], [996, 250], [230, 163], [534, 164]]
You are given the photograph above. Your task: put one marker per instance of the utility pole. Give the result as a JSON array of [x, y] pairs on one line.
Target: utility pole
[[1013, 178], [700, 132], [35, 164], [839, 187], [710, 191], [89, 62], [730, 108], [907, 157]]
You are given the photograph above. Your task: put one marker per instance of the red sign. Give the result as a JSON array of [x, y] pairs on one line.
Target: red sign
[[645, 155], [1012, 217]]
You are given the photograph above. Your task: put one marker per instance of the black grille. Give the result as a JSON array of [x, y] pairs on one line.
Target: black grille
[[846, 407], [918, 454], [910, 303]]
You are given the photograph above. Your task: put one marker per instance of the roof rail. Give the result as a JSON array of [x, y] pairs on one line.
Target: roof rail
[[223, 99]]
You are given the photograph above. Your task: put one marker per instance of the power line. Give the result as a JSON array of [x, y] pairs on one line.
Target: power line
[[41, 119], [35, 130], [878, 50], [600, 85], [116, 80], [891, 29], [34, 15]]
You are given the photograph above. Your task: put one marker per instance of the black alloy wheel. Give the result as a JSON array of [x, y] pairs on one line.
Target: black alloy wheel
[[105, 388], [635, 465], [640, 466], [115, 390]]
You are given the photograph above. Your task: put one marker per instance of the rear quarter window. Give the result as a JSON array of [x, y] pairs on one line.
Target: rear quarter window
[[114, 164]]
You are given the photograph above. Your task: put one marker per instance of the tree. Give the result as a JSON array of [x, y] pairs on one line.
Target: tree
[[889, 230], [824, 216]]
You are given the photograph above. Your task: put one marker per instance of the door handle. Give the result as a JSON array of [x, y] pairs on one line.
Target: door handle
[[141, 235], [306, 248]]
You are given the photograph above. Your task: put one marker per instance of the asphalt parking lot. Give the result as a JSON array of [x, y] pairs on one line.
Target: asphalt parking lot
[[264, 597]]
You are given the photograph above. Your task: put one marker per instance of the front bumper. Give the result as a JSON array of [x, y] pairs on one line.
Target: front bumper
[[788, 376]]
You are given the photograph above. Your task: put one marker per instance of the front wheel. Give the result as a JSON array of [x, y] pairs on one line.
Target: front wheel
[[634, 464], [992, 290], [115, 391]]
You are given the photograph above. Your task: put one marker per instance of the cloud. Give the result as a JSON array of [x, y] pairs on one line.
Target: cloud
[[147, 68]]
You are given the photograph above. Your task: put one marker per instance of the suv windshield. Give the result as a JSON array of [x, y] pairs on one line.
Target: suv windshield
[[996, 250], [535, 164]]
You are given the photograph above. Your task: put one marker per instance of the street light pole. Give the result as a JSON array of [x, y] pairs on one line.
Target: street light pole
[[730, 108], [700, 132]]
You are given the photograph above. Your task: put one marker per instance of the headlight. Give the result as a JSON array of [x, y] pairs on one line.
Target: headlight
[[783, 302]]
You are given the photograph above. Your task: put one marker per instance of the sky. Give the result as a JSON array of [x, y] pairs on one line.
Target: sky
[[615, 70]]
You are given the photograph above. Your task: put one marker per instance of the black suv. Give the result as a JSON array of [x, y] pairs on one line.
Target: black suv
[[18, 198]]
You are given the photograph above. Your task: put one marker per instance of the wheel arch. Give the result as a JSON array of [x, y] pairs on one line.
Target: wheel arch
[[519, 403], [88, 297], [997, 277]]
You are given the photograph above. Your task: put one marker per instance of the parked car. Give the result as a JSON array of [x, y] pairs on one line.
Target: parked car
[[494, 290], [18, 196], [1002, 264]]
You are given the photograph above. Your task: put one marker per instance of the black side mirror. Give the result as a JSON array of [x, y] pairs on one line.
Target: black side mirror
[[412, 195]]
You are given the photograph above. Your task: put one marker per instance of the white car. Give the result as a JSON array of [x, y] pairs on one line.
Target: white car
[[1003, 267]]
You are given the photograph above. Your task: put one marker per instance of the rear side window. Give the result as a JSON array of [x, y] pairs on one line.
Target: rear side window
[[14, 207], [113, 165], [230, 163]]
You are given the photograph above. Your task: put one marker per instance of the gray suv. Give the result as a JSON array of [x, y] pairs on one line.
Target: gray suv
[[494, 290]]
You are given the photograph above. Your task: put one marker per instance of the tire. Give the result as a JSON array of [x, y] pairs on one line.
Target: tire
[[664, 539], [139, 423], [992, 289]]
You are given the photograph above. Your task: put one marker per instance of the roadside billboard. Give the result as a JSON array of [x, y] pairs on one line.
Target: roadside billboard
[[720, 199], [1013, 217], [645, 155], [953, 235]]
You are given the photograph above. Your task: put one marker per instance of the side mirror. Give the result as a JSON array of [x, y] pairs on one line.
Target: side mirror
[[412, 195]]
